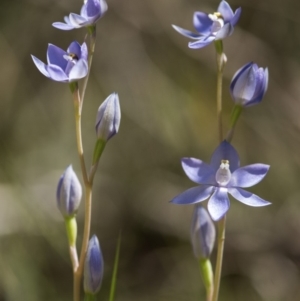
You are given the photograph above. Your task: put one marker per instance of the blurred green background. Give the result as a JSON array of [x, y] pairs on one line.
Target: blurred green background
[[167, 95]]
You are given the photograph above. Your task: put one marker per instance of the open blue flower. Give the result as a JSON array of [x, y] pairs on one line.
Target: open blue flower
[[222, 176], [211, 27], [91, 12], [249, 85], [64, 66]]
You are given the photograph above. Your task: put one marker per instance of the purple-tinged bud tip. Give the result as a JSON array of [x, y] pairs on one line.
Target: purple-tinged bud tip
[[108, 118], [69, 193], [93, 267], [203, 233]]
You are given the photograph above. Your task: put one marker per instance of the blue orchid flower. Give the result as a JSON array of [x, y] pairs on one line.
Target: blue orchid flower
[[211, 27], [222, 176], [64, 66], [91, 12]]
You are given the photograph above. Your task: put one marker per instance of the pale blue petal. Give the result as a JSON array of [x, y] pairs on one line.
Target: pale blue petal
[[198, 171], [245, 85], [186, 33], [225, 31], [76, 20], [248, 176], [236, 17], [62, 26], [57, 74], [247, 197], [75, 48], [261, 87], [225, 151], [55, 56], [193, 195], [218, 203], [237, 76], [84, 51], [226, 11], [40, 65], [92, 8], [79, 70], [202, 23], [201, 43]]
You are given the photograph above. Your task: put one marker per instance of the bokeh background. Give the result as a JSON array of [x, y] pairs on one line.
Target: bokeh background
[[167, 95]]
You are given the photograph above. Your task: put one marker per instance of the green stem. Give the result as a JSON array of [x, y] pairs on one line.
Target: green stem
[[221, 60], [221, 241], [92, 36], [236, 112], [114, 276], [89, 297], [85, 241], [219, 97], [77, 106]]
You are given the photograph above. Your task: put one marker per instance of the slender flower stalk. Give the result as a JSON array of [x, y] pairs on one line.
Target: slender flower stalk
[[221, 61], [92, 37], [88, 194], [218, 269], [222, 222]]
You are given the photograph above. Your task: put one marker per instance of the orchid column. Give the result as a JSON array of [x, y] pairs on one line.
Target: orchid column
[[70, 66], [223, 175]]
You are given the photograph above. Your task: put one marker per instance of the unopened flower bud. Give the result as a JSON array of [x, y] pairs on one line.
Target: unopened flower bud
[[203, 233], [69, 193], [249, 85], [93, 267], [108, 118]]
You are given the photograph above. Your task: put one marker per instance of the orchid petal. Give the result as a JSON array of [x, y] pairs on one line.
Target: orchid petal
[[218, 204], [75, 48], [224, 32], [202, 22], [249, 175], [76, 20], [247, 197], [79, 70], [245, 86], [236, 17], [198, 171], [55, 56], [201, 43], [225, 151], [226, 11], [186, 33], [193, 195], [57, 74], [40, 65], [62, 26]]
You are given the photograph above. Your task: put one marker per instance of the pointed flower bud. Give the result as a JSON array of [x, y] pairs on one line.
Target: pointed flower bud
[[68, 193], [108, 118], [93, 267], [249, 85], [203, 233]]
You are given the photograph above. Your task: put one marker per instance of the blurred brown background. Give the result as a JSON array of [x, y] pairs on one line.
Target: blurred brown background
[[167, 95]]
